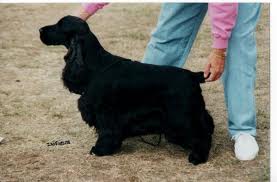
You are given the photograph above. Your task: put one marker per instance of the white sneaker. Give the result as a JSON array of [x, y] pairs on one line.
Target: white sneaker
[[246, 147], [1, 139]]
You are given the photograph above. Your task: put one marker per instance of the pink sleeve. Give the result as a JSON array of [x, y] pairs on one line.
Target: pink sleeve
[[223, 18], [92, 8]]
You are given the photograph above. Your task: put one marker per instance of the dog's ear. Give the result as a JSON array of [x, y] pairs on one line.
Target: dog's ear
[[74, 53], [74, 74]]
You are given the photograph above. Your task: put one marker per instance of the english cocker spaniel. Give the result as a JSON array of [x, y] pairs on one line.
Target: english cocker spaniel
[[122, 98]]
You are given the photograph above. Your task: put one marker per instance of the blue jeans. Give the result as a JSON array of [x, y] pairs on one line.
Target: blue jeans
[[171, 42]]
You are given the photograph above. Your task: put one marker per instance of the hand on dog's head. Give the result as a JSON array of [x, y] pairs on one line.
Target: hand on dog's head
[[63, 31]]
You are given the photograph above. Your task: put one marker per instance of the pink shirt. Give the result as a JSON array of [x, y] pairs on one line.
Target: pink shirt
[[92, 8], [223, 18]]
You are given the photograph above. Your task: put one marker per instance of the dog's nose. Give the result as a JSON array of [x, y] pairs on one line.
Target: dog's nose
[[40, 30]]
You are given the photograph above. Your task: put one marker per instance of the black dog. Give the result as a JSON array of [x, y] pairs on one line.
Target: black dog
[[123, 98]]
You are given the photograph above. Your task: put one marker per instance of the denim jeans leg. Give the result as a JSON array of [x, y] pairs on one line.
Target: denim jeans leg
[[240, 71], [172, 39]]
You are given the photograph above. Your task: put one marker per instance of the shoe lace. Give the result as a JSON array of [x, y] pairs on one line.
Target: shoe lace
[[235, 137]]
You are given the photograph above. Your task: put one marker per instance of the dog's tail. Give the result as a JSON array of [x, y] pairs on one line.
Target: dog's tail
[[199, 76]]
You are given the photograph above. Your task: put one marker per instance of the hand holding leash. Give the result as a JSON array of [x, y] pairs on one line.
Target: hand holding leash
[[215, 65]]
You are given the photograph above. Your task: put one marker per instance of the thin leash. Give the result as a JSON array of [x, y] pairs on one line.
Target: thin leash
[[152, 144]]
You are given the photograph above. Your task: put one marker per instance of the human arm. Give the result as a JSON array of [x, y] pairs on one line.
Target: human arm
[[223, 18], [88, 9]]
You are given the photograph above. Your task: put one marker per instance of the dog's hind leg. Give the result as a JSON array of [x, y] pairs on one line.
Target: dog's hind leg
[[177, 122], [200, 149], [109, 135], [200, 137]]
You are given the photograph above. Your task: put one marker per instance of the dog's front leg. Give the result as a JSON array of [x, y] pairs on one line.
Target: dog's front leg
[[200, 150], [86, 111], [107, 143], [109, 134]]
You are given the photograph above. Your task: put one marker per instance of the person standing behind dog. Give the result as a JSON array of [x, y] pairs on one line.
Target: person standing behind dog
[[233, 29]]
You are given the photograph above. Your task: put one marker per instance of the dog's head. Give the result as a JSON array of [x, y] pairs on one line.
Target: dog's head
[[73, 33], [63, 31]]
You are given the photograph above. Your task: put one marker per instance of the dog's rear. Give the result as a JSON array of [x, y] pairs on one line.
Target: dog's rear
[[198, 76]]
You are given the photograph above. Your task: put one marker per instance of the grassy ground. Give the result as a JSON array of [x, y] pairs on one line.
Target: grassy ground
[[36, 109]]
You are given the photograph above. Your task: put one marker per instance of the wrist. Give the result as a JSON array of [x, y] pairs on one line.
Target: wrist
[[84, 15], [219, 50], [219, 53]]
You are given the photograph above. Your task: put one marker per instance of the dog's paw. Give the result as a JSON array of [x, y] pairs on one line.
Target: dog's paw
[[91, 152], [196, 159], [95, 151], [98, 151]]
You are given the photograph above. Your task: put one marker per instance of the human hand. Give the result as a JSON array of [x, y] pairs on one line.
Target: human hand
[[81, 13], [215, 65]]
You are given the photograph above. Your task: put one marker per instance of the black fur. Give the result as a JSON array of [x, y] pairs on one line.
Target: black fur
[[123, 98]]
